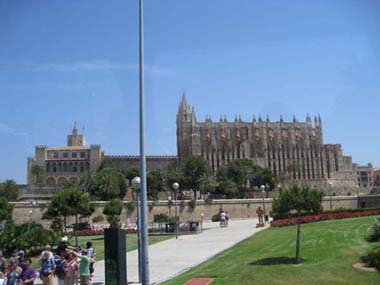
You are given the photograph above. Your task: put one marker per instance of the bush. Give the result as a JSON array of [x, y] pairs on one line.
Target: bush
[[163, 218], [277, 216], [215, 218], [324, 216], [31, 237], [374, 231], [372, 259], [112, 210], [98, 219]]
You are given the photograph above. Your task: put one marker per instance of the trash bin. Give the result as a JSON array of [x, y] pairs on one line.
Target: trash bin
[[194, 226], [170, 227], [266, 218]]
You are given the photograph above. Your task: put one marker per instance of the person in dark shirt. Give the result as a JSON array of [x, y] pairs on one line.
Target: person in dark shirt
[[21, 259], [29, 274]]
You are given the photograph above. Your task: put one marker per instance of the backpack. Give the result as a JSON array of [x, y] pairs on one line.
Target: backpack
[[59, 271]]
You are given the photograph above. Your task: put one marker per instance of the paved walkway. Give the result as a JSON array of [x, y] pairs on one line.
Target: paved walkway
[[172, 257]]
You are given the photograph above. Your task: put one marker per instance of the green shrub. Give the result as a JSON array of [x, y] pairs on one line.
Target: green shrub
[[215, 218], [112, 210], [163, 218], [98, 219], [372, 259], [31, 237], [374, 231]]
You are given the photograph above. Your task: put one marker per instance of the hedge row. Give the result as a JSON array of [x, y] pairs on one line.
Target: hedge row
[[338, 210], [325, 216]]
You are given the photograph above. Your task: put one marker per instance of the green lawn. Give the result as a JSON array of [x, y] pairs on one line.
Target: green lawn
[[328, 249], [98, 242]]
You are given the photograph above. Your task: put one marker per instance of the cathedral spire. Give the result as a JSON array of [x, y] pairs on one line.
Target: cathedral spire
[[281, 119], [319, 121], [183, 105], [254, 118], [294, 119]]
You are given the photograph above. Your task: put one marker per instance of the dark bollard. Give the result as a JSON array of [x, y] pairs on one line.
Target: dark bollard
[[115, 257]]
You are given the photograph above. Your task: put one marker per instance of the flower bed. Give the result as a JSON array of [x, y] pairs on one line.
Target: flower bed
[[97, 232], [344, 214]]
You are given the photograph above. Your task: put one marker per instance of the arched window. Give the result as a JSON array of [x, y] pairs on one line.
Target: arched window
[[50, 181]]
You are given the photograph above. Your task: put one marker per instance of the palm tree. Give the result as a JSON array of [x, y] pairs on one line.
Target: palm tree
[[37, 171], [9, 190]]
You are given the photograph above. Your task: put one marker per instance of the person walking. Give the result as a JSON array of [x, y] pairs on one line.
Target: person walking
[[222, 219], [91, 253], [47, 269], [29, 274], [13, 272]]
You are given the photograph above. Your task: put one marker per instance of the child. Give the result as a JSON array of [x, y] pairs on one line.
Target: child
[[91, 254]]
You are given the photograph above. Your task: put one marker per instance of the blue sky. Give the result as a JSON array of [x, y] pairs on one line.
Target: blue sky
[[66, 61]]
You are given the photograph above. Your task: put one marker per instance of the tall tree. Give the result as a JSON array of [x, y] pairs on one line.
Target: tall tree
[[154, 183], [238, 171], [69, 202], [130, 173], [109, 183], [9, 190], [194, 167], [173, 173], [5, 210], [37, 171], [301, 199], [207, 184]]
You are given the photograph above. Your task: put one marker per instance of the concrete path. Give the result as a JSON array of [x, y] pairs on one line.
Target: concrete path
[[172, 257]]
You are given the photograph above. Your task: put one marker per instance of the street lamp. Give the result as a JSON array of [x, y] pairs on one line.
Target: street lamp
[[175, 188], [136, 186], [170, 205], [330, 189], [30, 213], [357, 195], [262, 188]]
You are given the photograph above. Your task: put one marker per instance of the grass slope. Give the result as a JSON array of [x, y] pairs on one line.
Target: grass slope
[[328, 249]]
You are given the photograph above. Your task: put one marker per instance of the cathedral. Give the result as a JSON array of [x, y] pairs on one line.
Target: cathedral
[[292, 150]]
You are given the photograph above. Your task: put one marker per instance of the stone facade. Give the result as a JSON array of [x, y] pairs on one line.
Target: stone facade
[[294, 151], [70, 162], [376, 176], [365, 177], [153, 162], [63, 164]]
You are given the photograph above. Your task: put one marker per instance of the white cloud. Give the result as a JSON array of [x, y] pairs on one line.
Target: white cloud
[[4, 128], [92, 65]]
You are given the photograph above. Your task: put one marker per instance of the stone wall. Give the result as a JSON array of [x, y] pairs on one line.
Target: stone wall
[[238, 209]]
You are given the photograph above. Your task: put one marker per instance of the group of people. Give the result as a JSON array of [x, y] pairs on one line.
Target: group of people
[[70, 265], [223, 217]]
